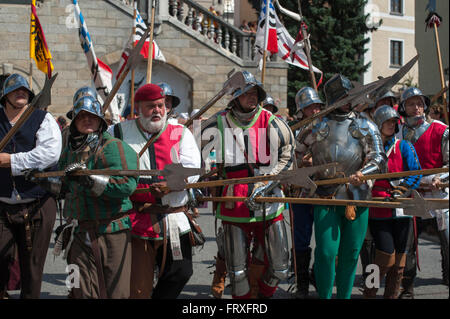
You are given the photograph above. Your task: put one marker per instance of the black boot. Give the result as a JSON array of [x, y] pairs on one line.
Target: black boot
[[444, 256], [367, 255], [303, 259]]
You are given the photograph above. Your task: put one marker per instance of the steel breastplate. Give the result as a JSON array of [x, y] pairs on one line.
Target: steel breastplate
[[337, 141], [412, 134]]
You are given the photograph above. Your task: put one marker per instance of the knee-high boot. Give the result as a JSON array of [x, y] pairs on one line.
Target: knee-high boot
[[385, 262], [394, 277], [303, 259], [220, 274]]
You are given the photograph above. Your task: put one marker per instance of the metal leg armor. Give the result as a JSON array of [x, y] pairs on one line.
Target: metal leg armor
[[277, 253], [236, 250]]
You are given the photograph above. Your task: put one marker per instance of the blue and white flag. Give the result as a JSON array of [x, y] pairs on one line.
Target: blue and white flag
[[101, 72]]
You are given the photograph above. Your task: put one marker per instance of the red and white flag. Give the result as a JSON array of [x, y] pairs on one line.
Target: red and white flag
[[287, 48], [140, 26]]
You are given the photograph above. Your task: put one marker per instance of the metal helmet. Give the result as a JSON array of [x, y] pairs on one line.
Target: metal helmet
[[89, 104], [269, 101], [409, 93], [336, 88], [250, 82], [13, 82], [305, 97], [83, 91], [384, 113], [388, 94], [169, 92]]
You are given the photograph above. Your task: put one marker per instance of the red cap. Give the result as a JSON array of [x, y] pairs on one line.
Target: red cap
[[149, 92]]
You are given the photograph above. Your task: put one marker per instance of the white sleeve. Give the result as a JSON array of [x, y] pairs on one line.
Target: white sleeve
[[189, 157], [47, 150]]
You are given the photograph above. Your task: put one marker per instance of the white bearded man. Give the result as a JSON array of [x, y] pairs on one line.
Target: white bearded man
[[159, 215]]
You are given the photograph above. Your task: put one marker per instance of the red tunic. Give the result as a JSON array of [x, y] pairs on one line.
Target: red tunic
[[381, 187]]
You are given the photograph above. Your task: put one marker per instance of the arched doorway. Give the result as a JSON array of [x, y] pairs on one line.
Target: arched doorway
[[180, 82]]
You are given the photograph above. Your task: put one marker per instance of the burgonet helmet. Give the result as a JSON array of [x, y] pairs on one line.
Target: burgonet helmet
[[336, 88], [409, 93], [250, 82], [83, 91], [169, 92], [88, 104], [388, 94], [13, 82], [305, 97], [270, 101], [384, 113]]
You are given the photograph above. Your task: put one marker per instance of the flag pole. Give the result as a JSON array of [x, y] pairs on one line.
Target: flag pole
[[444, 95], [150, 47], [132, 71], [266, 35], [307, 48], [30, 74]]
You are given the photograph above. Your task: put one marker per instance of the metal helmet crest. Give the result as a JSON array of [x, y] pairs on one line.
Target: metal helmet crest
[[83, 91]]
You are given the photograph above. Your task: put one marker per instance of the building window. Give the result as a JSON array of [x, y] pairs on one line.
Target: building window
[[397, 7], [396, 53]]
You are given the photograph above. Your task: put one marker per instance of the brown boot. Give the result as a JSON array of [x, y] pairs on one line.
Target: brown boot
[[394, 277], [255, 272], [220, 274], [384, 261]]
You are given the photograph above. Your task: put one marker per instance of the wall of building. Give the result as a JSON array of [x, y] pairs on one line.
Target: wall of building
[[429, 75], [201, 70], [393, 27]]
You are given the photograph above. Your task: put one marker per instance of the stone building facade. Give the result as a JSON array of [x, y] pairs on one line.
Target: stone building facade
[[198, 57]]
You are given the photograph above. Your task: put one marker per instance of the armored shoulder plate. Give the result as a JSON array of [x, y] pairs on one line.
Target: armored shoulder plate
[[321, 130], [359, 128]]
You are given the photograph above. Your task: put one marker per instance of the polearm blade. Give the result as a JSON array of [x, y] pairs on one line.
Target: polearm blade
[[299, 177], [40, 101], [394, 79], [132, 61]]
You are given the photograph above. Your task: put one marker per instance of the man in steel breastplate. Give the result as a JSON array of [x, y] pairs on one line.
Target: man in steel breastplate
[[355, 143]]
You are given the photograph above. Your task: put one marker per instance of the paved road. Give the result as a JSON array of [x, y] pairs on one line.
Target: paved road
[[428, 283]]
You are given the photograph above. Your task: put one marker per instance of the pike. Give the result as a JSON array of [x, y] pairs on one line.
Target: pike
[[40, 101], [362, 94], [173, 173], [298, 177], [132, 61], [417, 206]]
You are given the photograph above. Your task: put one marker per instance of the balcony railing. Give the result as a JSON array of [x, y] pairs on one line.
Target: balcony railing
[[212, 28]]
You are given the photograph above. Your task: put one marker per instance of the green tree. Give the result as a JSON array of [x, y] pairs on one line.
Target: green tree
[[337, 35]]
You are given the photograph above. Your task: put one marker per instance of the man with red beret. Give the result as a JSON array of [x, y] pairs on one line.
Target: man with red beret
[[160, 228]]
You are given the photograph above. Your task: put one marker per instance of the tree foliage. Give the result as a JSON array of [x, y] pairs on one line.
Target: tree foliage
[[337, 32]]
